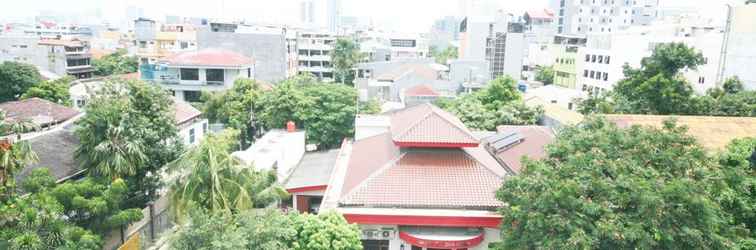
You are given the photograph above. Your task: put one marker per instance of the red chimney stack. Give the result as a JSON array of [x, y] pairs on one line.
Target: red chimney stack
[[291, 127]]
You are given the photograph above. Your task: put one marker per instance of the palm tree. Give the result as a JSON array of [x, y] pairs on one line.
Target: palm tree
[[209, 177], [13, 156]]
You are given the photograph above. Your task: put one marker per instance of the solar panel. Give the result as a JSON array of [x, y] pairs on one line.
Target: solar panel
[[507, 141], [499, 136]]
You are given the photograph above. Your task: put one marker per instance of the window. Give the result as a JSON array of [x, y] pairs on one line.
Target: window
[[701, 80], [22, 46], [249, 72], [593, 74], [81, 103], [189, 74], [191, 136], [585, 73], [192, 96], [706, 60], [204, 128], [569, 106], [214, 76], [593, 58], [606, 76], [608, 57], [585, 87], [587, 58], [184, 45], [600, 59]]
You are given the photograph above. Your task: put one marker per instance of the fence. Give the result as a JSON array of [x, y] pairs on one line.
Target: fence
[[144, 232]]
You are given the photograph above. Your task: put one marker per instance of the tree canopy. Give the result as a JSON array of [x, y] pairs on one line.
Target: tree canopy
[[345, 54], [129, 132], [115, 64], [545, 75], [499, 103], [16, 79], [443, 57], [13, 158], [603, 187], [55, 91], [236, 108]]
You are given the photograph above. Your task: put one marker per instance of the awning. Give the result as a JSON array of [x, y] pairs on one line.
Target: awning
[[444, 238]]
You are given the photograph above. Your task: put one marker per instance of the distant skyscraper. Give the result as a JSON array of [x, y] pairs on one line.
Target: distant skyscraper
[[333, 14], [307, 11], [594, 16]]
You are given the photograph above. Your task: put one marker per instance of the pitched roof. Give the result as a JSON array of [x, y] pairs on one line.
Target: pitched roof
[[184, 111], [210, 57], [428, 124], [313, 170], [421, 90], [534, 141], [40, 111], [540, 14], [423, 70], [713, 132], [368, 156], [55, 151], [439, 178]]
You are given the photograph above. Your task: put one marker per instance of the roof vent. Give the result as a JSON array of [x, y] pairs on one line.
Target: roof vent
[[504, 141]]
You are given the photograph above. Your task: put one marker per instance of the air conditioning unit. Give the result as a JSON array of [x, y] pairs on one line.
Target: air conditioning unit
[[379, 234]]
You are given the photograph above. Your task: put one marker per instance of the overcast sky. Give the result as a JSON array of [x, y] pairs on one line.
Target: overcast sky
[[402, 15]]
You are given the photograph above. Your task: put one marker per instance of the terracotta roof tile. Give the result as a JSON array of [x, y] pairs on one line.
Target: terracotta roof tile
[[533, 146], [421, 90], [429, 124], [438, 178], [210, 57], [368, 156], [184, 111], [40, 111]]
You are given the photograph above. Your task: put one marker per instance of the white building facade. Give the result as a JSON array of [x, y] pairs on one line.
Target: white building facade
[[591, 16]]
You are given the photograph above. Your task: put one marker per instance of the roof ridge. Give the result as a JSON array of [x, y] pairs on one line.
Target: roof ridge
[[372, 176], [467, 133], [414, 124]]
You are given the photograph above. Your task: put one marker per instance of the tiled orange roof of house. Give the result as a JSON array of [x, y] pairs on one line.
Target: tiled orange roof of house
[[421, 90], [210, 57], [428, 124], [184, 112], [439, 178], [40, 111], [532, 146]]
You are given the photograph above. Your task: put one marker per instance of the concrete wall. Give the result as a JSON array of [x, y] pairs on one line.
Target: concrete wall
[[200, 128], [741, 55], [268, 50]]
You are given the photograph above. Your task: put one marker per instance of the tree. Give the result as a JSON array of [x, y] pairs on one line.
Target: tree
[[345, 54], [738, 197], [115, 64], [210, 178], [602, 187], [545, 75], [235, 107], [499, 103], [445, 55], [325, 110], [13, 157], [16, 79], [325, 231], [371, 107], [55, 91], [129, 132]]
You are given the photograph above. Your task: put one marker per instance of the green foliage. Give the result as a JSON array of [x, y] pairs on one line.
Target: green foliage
[[13, 158], [55, 91], [345, 54], [499, 103], [545, 75], [443, 57], [16, 79], [325, 231], [64, 216], [371, 107], [602, 187], [325, 110], [129, 132], [596, 104], [214, 180], [235, 107], [115, 64], [738, 197], [267, 230]]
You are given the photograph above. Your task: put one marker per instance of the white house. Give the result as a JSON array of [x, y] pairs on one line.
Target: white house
[[192, 127], [187, 74]]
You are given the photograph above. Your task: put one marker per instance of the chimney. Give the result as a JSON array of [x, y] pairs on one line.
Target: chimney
[[291, 127]]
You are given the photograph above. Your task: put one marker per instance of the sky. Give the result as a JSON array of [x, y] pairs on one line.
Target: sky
[[399, 15]]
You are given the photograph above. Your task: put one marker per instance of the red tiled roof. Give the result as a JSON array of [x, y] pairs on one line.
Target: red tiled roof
[[40, 111], [541, 14], [210, 57], [184, 112], [437, 178], [533, 146], [368, 156], [429, 125], [421, 90]]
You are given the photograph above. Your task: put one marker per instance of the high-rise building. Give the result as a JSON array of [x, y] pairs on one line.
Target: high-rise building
[[593, 16], [444, 31], [333, 15], [307, 12]]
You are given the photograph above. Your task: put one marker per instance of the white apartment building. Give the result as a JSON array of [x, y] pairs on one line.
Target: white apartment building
[[188, 74], [155, 41], [599, 64], [592, 16], [314, 54], [740, 54]]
